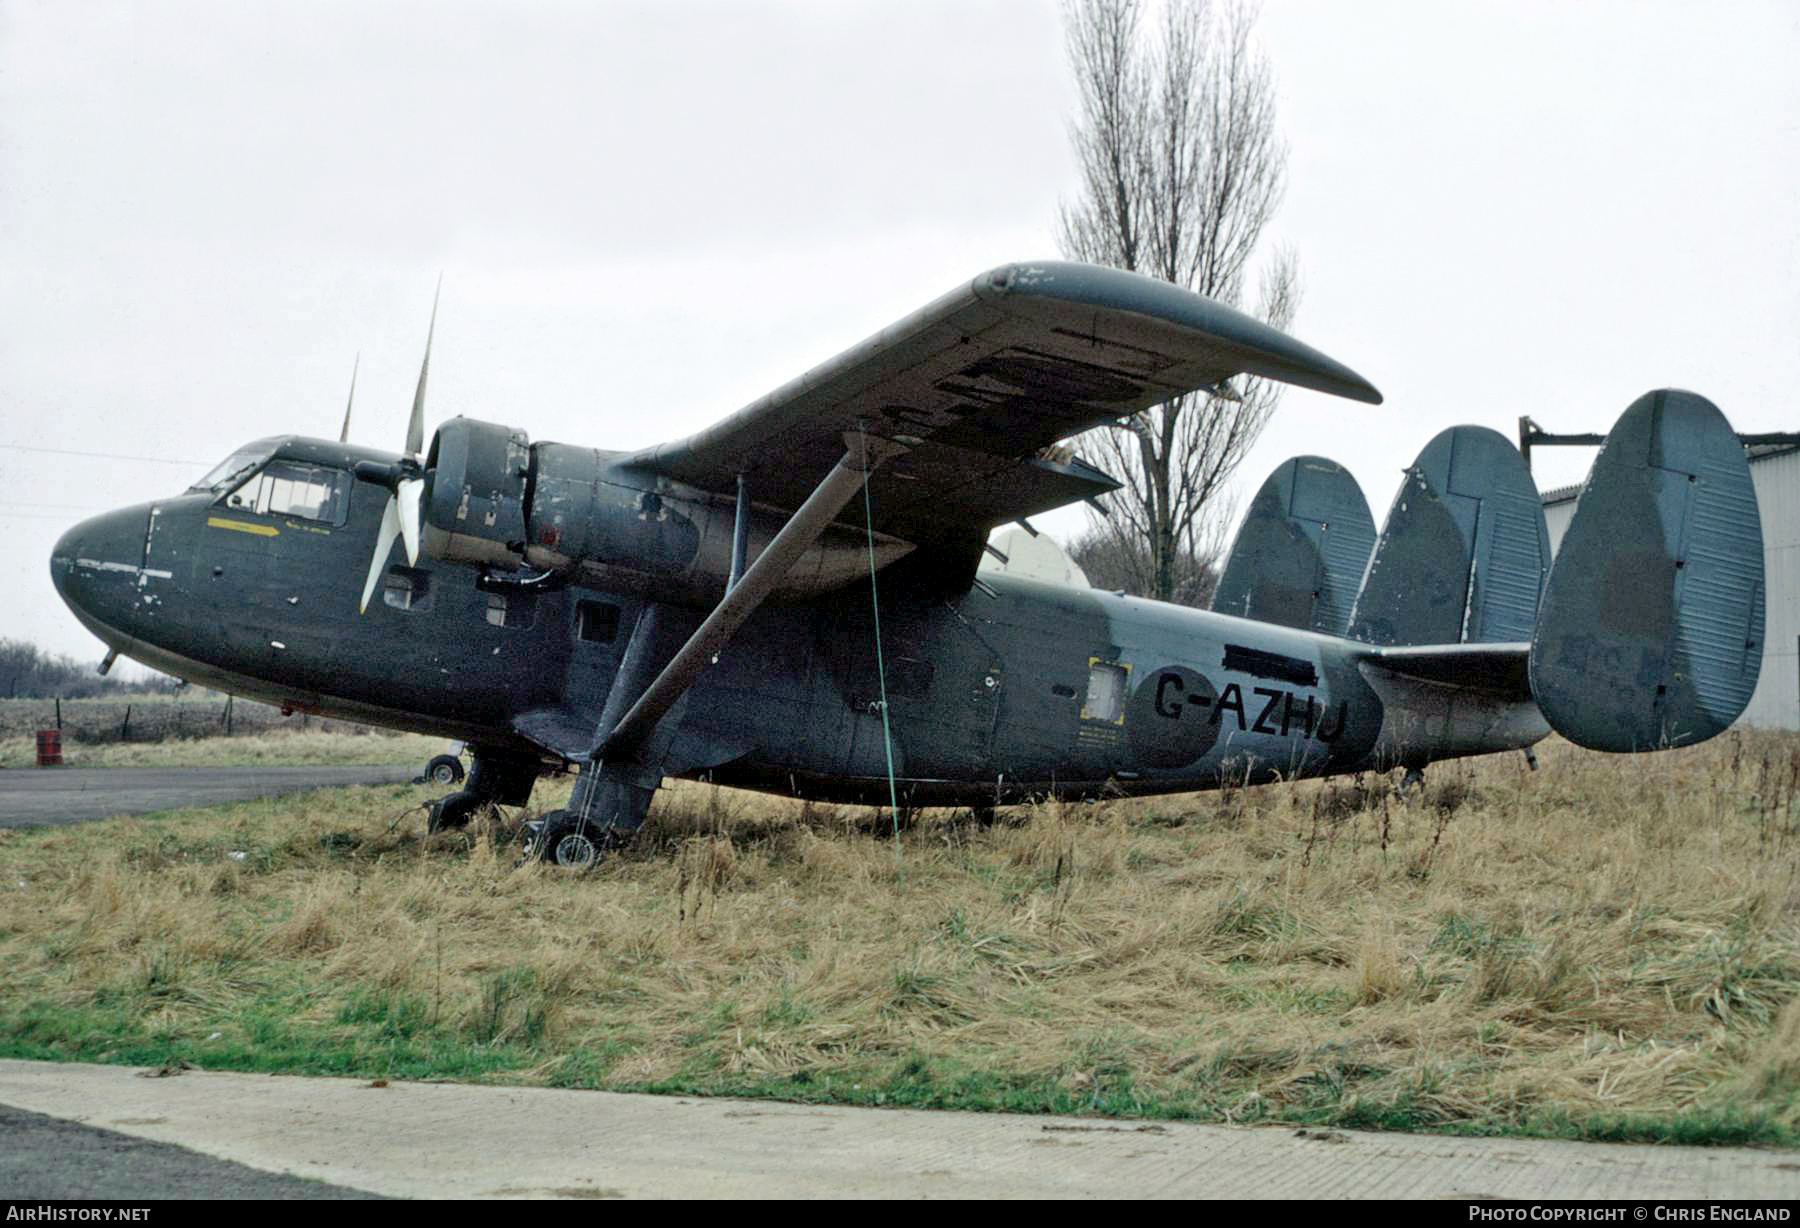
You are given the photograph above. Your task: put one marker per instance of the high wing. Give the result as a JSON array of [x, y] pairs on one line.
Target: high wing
[[980, 383]]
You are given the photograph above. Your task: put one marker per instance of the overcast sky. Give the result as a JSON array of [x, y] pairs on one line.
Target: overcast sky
[[649, 214]]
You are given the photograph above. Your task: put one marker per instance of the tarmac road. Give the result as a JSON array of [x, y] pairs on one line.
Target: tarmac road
[[43, 797], [46, 1157], [439, 1140]]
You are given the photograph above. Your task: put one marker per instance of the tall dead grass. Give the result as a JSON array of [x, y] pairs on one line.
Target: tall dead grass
[[1604, 938], [278, 747]]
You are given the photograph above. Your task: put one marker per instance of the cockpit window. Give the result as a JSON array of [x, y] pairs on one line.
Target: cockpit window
[[289, 488], [228, 471]]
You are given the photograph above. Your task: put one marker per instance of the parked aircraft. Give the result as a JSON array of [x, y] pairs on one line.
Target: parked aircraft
[[789, 600]]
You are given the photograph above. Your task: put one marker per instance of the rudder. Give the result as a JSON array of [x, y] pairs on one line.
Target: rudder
[[1301, 551], [1463, 555], [1652, 625]]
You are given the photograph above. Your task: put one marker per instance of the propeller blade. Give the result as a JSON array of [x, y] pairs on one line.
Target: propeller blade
[[415, 430], [384, 544], [344, 435], [408, 495]]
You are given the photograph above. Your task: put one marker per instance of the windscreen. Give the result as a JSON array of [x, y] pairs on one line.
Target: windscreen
[[235, 466]]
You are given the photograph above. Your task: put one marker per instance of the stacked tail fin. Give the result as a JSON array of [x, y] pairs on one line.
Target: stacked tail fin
[[1301, 551], [1463, 555], [1652, 626]]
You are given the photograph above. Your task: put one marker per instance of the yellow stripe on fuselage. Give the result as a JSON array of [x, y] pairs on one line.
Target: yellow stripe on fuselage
[[243, 526]]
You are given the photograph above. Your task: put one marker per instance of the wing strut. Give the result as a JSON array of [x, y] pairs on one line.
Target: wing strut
[[615, 786], [801, 530], [740, 534]]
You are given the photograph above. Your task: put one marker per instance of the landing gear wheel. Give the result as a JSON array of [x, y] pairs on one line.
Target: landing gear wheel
[[567, 840], [444, 770], [453, 812], [1412, 783]]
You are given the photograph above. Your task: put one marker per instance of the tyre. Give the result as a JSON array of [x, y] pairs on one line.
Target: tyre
[[444, 770], [563, 839]]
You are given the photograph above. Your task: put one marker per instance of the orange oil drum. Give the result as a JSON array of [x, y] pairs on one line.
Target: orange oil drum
[[49, 748]]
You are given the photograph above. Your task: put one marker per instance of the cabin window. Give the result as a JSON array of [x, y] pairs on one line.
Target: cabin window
[[304, 492], [406, 588], [596, 621], [1106, 691], [508, 609]]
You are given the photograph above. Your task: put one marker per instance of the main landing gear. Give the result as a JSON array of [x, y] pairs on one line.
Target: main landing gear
[[606, 808], [496, 779], [570, 841]]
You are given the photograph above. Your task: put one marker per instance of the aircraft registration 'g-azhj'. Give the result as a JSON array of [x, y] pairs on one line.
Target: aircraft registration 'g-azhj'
[[789, 601]]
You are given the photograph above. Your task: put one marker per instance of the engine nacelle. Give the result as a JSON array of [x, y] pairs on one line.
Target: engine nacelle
[[495, 499], [477, 493]]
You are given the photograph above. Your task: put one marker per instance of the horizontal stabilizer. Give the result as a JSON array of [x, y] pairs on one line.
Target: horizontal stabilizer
[[1652, 627], [1497, 670], [1301, 551], [1463, 555]]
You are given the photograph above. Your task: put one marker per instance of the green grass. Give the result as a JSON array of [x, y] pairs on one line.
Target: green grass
[[263, 1035]]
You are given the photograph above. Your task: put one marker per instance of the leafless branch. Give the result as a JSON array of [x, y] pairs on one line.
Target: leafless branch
[[1182, 170]]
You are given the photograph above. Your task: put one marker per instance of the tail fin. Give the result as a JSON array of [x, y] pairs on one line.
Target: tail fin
[[1301, 551], [1652, 627], [1463, 555]]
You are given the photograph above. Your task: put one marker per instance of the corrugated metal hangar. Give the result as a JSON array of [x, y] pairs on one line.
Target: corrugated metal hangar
[[1775, 470]]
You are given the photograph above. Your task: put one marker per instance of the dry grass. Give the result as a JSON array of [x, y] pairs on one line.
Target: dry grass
[[187, 713], [273, 748], [1607, 946], [189, 730]]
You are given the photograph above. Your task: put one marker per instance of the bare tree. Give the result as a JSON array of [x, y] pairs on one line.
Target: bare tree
[[1115, 555], [1181, 172], [28, 672], [19, 661]]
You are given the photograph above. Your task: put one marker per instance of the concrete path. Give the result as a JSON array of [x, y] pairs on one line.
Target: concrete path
[[42, 797], [426, 1140]]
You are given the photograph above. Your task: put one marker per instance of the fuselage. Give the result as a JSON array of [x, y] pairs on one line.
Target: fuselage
[[996, 691]]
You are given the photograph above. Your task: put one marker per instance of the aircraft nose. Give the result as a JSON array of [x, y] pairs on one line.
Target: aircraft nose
[[95, 558], [62, 556]]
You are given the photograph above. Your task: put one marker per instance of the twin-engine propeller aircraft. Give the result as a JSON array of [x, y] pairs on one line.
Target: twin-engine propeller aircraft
[[789, 601]]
